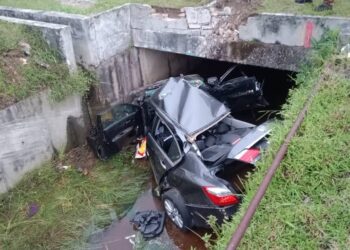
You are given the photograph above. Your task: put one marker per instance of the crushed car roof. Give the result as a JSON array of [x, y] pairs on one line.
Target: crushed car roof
[[190, 108]]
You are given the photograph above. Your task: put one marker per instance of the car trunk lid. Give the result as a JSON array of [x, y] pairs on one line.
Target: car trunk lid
[[245, 148]]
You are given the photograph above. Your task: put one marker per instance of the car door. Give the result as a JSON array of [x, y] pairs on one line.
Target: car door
[[163, 148], [118, 122]]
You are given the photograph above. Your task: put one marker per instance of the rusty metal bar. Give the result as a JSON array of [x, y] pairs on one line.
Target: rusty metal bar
[[242, 227]]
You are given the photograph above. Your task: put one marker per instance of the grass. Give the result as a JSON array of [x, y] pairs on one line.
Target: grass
[[100, 5], [72, 205], [306, 204], [341, 7], [43, 68]]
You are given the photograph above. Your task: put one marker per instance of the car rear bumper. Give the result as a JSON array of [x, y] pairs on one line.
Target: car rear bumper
[[200, 214]]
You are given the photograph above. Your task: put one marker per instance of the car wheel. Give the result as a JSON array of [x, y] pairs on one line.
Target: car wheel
[[101, 153], [176, 210]]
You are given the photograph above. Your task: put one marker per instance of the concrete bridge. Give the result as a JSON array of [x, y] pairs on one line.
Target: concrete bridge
[[126, 45]]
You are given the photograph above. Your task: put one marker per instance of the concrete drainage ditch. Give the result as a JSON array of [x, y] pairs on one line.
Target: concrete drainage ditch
[[132, 46], [122, 235]]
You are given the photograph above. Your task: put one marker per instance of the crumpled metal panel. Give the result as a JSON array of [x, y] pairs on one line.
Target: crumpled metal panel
[[190, 108]]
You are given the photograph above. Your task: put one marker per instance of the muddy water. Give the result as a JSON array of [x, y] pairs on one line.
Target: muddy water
[[121, 235]]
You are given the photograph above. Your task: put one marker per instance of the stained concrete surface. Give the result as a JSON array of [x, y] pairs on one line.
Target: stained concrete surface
[[289, 29], [30, 132]]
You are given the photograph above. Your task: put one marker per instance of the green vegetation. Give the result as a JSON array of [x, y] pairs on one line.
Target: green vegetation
[[100, 5], [341, 7], [307, 203], [22, 76], [72, 205]]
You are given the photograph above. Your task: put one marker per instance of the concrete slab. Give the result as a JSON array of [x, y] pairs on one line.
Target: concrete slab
[[32, 130], [57, 36]]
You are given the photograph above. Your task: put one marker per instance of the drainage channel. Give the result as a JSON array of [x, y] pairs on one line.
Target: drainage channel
[[121, 234]]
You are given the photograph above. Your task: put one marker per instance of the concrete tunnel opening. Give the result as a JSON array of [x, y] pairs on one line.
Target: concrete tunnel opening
[[129, 74]]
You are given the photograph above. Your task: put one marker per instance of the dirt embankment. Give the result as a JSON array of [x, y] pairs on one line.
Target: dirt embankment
[[11, 77], [81, 158]]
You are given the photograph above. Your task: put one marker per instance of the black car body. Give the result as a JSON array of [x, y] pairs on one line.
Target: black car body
[[198, 152], [113, 128], [239, 94]]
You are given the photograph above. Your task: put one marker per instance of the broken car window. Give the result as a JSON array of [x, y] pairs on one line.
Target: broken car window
[[122, 111], [166, 141], [116, 114], [106, 119]]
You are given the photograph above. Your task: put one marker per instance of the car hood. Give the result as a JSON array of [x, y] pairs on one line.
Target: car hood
[[188, 107]]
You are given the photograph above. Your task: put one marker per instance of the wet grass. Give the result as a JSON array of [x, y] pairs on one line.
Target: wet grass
[[100, 5], [22, 76], [341, 7], [72, 205], [306, 204]]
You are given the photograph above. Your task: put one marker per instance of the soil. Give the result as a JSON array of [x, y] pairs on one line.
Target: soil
[[10, 65], [81, 158]]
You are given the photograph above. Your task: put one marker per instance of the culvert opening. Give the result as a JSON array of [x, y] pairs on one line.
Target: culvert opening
[[275, 85], [127, 75]]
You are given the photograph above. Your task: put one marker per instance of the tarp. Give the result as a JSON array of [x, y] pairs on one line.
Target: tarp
[[188, 107]]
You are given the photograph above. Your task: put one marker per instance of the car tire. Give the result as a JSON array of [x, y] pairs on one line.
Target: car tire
[[176, 210], [101, 152]]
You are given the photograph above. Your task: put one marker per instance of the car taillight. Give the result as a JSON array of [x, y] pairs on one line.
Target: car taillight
[[250, 155], [221, 196]]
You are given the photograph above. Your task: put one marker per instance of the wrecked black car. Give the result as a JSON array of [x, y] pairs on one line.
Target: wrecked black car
[[116, 124], [113, 129], [199, 153], [239, 94]]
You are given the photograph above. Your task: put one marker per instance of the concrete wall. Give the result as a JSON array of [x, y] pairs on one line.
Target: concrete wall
[[134, 69], [206, 31], [30, 132], [290, 30], [79, 26], [57, 36], [95, 38], [267, 40]]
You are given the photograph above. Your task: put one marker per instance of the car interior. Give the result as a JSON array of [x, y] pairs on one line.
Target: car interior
[[167, 141], [216, 142]]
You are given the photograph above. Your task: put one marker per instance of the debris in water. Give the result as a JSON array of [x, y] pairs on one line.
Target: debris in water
[[149, 223], [131, 239]]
